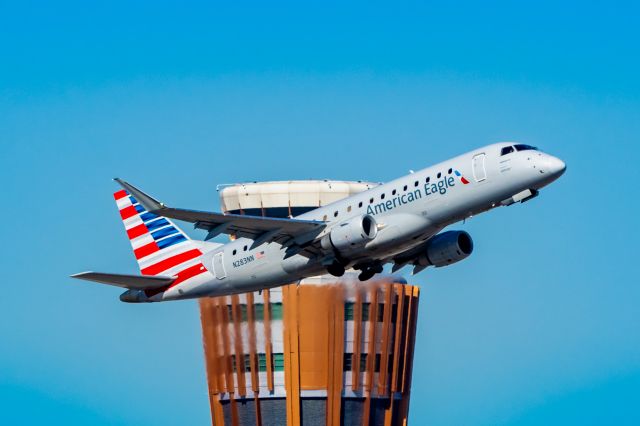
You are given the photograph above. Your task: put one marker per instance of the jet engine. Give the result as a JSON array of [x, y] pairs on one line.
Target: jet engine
[[351, 234], [446, 248]]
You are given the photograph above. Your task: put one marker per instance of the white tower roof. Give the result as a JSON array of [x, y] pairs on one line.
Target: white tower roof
[[286, 198]]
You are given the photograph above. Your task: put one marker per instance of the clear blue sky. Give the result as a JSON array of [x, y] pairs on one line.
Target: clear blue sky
[[540, 326]]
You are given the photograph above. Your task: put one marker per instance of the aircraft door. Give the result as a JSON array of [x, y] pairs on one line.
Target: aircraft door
[[218, 266], [479, 170]]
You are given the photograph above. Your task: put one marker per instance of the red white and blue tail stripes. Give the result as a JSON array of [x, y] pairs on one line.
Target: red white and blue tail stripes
[[159, 246]]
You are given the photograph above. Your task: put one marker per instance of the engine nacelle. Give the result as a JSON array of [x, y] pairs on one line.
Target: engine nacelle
[[351, 234], [447, 248]]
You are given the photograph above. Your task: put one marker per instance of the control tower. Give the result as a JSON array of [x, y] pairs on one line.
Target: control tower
[[326, 351]]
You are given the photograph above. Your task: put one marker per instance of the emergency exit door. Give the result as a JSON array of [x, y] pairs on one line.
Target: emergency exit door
[[479, 171], [218, 266]]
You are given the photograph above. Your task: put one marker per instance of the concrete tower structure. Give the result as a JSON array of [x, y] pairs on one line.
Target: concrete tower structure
[[325, 351]]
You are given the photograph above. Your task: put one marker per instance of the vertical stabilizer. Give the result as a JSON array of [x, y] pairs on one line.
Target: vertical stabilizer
[[160, 247]]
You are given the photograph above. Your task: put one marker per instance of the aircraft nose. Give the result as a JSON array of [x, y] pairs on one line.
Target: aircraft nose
[[555, 166]]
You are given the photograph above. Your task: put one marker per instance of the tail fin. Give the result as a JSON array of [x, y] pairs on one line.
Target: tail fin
[[159, 246]]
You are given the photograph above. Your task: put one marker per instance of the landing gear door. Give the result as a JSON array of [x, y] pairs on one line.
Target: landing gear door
[[218, 266], [479, 170]]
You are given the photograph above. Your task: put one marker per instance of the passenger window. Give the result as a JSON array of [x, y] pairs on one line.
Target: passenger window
[[349, 209], [439, 175], [506, 150], [428, 179], [234, 252], [449, 171], [393, 192], [415, 183], [245, 248], [335, 214], [382, 197], [324, 218], [405, 188], [360, 204]]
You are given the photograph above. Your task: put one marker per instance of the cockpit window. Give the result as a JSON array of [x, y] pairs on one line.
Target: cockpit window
[[506, 150], [523, 147]]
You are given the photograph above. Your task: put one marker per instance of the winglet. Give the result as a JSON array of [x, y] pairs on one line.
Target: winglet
[[147, 201]]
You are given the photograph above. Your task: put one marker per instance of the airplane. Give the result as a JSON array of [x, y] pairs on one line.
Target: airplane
[[398, 223]]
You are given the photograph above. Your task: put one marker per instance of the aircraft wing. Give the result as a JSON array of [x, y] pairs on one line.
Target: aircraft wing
[[261, 229], [134, 282]]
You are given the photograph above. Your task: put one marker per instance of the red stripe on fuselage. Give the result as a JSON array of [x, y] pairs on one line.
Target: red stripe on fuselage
[[146, 250], [182, 276], [128, 212], [190, 272], [136, 231], [170, 262]]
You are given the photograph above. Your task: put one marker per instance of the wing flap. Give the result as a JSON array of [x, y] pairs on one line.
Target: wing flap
[[240, 225], [133, 282]]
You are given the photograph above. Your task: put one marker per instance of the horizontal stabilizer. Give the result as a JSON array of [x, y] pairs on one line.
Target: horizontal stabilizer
[[134, 282]]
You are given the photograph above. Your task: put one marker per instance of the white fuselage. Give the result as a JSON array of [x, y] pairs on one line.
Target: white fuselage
[[408, 211]]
